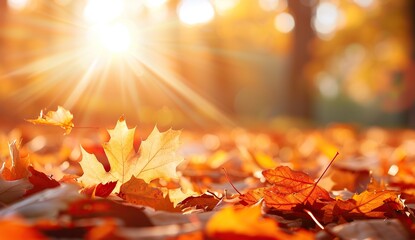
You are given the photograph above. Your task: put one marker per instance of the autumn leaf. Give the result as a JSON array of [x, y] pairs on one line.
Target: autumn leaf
[[100, 190], [139, 192], [11, 191], [363, 205], [366, 202], [289, 189], [247, 223], [252, 196], [61, 117], [158, 157], [14, 228], [177, 195], [204, 201], [40, 181], [18, 165]]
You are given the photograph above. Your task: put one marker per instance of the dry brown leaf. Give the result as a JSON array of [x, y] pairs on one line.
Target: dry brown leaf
[[139, 192]]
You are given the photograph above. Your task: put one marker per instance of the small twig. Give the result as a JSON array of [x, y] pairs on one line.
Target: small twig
[[321, 176], [229, 180]]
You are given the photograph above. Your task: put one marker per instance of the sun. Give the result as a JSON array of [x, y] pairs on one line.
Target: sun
[[114, 38], [102, 56]]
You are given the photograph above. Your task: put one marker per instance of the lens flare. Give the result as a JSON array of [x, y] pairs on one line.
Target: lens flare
[[193, 12]]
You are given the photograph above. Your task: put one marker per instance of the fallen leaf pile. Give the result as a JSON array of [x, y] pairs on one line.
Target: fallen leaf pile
[[229, 184]]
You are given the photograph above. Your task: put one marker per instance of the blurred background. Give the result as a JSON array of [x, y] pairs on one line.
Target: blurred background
[[209, 63]]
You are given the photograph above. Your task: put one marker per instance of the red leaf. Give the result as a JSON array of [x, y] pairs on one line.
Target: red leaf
[[40, 181], [101, 190]]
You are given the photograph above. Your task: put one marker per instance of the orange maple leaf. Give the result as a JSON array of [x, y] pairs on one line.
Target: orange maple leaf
[[248, 223], [289, 189], [363, 205]]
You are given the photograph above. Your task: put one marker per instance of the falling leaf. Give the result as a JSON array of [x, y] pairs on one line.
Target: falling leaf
[[158, 157], [61, 117], [247, 223]]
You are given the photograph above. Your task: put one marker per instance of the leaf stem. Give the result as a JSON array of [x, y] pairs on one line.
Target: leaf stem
[[321, 176], [85, 127], [229, 180]]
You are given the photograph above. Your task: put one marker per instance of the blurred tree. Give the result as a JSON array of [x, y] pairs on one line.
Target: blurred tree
[[300, 101]]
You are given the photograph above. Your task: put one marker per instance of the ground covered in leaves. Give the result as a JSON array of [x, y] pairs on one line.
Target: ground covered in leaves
[[340, 182]]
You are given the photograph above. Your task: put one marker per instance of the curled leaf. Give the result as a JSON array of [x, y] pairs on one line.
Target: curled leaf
[[61, 117]]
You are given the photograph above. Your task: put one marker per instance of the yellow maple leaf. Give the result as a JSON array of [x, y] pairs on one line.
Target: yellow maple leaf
[[158, 157], [61, 117]]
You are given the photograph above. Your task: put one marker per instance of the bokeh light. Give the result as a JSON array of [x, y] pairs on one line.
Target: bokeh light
[[223, 6], [326, 18], [194, 12], [17, 4], [273, 5], [153, 4], [284, 22]]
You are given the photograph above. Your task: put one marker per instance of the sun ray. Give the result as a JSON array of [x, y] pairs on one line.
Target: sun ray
[[174, 82], [83, 83]]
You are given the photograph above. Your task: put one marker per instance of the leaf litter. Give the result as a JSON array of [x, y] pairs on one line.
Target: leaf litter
[[276, 185]]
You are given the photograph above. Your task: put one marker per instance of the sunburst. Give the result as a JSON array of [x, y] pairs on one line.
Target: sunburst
[[104, 53]]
